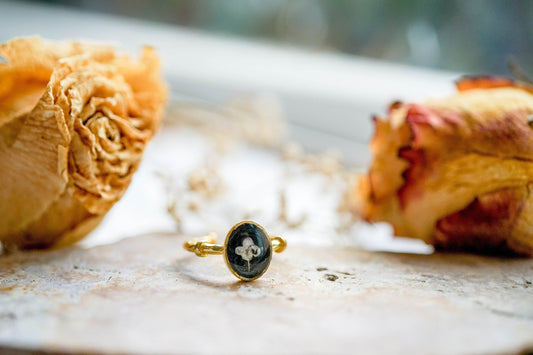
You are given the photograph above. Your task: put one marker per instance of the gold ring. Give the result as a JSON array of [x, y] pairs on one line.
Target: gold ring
[[247, 249]]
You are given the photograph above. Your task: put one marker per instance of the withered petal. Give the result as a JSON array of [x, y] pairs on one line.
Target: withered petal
[[489, 82], [453, 151], [74, 121]]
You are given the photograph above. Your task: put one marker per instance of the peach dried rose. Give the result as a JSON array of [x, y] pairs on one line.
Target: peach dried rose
[[457, 172], [74, 120]]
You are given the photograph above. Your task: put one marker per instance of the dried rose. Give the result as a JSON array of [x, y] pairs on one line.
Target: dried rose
[[457, 172], [74, 120]]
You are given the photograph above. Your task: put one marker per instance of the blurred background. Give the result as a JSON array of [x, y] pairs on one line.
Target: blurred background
[[465, 36], [331, 65]]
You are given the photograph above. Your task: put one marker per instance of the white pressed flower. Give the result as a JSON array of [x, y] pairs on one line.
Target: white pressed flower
[[248, 250]]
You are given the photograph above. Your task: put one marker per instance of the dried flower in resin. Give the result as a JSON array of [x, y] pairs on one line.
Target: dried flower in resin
[[74, 120], [457, 172]]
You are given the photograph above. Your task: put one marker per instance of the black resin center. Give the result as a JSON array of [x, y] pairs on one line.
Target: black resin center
[[248, 250]]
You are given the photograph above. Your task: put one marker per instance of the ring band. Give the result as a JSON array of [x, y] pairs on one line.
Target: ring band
[[247, 249]]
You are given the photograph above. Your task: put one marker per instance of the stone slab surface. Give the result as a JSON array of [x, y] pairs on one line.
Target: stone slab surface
[[145, 294]]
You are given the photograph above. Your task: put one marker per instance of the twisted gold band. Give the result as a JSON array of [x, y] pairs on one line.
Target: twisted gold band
[[206, 245], [247, 249]]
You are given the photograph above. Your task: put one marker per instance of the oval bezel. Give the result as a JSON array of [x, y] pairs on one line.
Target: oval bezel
[[226, 259]]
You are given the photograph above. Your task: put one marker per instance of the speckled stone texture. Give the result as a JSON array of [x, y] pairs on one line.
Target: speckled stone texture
[[146, 295]]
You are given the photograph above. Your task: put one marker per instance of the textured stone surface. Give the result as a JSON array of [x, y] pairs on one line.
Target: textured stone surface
[[128, 289], [146, 294]]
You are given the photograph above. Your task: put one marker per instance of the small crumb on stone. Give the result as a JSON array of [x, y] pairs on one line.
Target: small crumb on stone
[[321, 268], [344, 273], [9, 315], [331, 277]]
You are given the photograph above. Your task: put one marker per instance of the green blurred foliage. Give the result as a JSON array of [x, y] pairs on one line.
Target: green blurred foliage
[[473, 36]]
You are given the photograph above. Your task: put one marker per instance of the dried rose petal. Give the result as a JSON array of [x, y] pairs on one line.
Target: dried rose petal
[[456, 172], [74, 120]]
